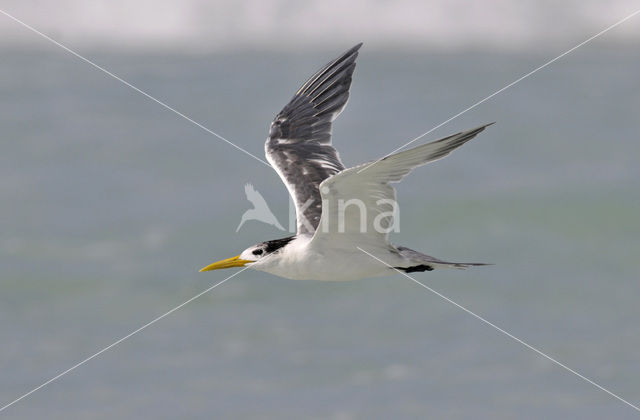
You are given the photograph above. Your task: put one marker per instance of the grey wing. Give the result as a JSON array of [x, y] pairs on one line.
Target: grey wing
[[299, 143], [369, 183]]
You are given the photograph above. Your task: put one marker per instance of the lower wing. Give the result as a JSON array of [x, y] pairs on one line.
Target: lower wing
[[358, 204]]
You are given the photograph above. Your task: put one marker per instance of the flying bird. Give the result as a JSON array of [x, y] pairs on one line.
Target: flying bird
[[343, 215], [260, 210]]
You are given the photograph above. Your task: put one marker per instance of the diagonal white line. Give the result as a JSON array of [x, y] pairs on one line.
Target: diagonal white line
[[119, 341], [505, 332], [607, 29], [102, 69]]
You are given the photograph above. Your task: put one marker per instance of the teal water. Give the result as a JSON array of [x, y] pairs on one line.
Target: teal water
[[109, 204]]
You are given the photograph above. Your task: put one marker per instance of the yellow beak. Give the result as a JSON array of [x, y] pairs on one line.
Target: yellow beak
[[228, 263]]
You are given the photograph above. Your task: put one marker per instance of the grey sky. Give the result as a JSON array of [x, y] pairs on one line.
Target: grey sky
[[289, 25]]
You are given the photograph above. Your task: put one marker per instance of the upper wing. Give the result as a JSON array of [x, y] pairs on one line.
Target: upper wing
[[358, 203], [299, 144]]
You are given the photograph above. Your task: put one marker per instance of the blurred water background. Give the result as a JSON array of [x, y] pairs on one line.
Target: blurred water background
[[109, 204]]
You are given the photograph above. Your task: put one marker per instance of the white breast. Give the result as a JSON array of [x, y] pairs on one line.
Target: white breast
[[300, 261]]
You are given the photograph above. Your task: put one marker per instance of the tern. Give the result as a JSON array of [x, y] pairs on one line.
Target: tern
[[343, 215]]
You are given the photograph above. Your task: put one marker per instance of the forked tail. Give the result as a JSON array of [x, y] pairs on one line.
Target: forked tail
[[423, 262]]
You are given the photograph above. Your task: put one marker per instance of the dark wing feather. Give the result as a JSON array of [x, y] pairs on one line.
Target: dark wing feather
[[299, 144]]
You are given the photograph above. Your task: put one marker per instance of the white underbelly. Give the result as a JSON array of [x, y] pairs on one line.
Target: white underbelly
[[329, 265], [328, 272]]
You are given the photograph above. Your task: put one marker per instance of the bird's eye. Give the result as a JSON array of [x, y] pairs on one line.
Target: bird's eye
[[257, 252]]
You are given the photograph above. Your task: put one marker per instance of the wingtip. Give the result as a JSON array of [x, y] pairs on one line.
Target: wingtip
[[487, 125], [480, 128], [353, 49]]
